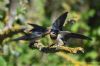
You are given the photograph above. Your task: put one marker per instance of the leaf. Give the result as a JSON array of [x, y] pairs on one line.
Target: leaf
[[2, 61]]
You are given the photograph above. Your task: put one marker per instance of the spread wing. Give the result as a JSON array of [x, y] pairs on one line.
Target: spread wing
[[37, 28], [36, 32], [30, 36], [67, 35], [57, 25]]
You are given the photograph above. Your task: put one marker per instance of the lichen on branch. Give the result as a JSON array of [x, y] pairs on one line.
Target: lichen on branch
[[54, 49]]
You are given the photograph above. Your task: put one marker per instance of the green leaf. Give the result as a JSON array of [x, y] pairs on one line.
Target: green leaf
[[92, 54], [2, 61]]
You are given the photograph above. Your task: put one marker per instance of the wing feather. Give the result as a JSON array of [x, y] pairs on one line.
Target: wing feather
[[58, 24]]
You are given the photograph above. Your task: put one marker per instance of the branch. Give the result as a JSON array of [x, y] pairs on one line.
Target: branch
[[70, 59], [10, 32], [54, 49]]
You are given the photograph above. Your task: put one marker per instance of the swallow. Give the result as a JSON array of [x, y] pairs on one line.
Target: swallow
[[60, 37], [39, 31], [56, 32], [57, 26], [34, 34], [55, 29]]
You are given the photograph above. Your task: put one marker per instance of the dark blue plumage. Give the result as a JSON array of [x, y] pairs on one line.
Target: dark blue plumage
[[58, 24], [36, 33], [37, 28]]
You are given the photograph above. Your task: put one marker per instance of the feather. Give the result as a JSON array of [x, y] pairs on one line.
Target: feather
[[58, 24]]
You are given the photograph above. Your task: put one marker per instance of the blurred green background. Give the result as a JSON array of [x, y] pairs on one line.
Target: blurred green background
[[15, 14]]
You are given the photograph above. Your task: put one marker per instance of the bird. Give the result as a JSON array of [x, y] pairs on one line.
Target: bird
[[54, 30], [57, 26], [33, 35], [59, 36]]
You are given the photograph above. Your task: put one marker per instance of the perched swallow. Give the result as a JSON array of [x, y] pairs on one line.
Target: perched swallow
[[57, 26]]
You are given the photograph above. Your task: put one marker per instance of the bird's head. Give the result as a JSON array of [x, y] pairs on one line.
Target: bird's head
[[54, 33]]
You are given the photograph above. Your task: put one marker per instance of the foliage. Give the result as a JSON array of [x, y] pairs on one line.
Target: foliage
[[13, 21]]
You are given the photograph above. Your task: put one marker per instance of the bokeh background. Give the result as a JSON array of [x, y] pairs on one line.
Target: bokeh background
[[15, 14]]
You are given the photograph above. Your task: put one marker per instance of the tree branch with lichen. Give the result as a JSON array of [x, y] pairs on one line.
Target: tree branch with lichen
[[54, 49], [70, 59]]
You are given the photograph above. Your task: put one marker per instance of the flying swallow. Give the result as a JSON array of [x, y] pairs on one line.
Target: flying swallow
[[57, 26], [34, 34], [54, 31], [59, 36]]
